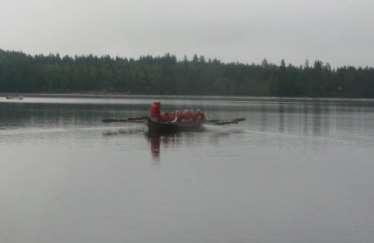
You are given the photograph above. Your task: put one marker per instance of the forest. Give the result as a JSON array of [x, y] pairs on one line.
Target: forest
[[168, 75]]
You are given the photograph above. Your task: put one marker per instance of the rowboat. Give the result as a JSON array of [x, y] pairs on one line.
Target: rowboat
[[168, 122], [159, 122]]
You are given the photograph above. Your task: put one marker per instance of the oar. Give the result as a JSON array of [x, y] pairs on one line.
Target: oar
[[225, 122], [130, 119], [143, 118]]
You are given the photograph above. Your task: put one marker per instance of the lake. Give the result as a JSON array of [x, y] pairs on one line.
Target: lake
[[297, 170]]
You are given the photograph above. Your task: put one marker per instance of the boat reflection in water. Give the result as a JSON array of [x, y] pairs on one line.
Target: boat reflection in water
[[157, 139], [157, 135], [157, 142], [166, 140]]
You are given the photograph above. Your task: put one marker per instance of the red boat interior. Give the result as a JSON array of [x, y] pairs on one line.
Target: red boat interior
[[186, 116]]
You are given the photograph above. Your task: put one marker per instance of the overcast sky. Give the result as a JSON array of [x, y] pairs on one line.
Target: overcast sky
[[337, 31]]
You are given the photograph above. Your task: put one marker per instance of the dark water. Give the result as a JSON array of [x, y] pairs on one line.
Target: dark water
[[295, 171]]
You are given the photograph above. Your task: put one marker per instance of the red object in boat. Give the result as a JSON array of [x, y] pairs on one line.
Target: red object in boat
[[155, 111], [187, 116]]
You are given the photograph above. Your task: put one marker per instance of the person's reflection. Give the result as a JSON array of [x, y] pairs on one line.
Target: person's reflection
[[169, 140], [155, 141]]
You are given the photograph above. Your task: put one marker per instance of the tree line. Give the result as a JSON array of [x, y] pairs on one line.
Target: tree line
[[20, 72]]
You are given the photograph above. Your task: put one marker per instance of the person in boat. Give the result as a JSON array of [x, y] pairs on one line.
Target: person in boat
[[166, 117], [155, 111], [156, 115], [189, 116], [199, 116]]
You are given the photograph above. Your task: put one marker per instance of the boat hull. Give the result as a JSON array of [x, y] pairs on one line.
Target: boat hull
[[172, 127]]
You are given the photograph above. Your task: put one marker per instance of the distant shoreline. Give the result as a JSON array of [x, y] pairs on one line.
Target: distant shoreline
[[188, 97], [110, 77]]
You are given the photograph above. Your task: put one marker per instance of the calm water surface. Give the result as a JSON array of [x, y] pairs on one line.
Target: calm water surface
[[294, 171]]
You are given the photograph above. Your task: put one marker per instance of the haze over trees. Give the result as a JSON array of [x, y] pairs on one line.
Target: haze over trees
[[166, 74]]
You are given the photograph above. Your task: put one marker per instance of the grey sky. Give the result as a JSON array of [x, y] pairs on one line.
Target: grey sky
[[338, 31]]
